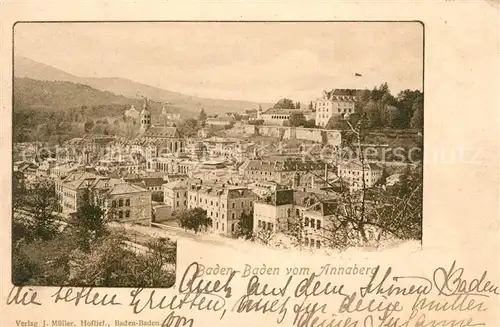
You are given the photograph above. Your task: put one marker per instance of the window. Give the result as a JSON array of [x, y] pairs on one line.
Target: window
[[127, 202], [217, 225], [318, 244], [177, 194], [289, 212], [113, 204], [306, 241], [216, 215], [120, 203], [177, 203], [120, 214], [259, 223], [306, 222], [312, 223], [222, 226], [223, 205], [232, 227], [297, 212], [222, 216], [318, 225], [269, 226], [127, 214], [185, 202], [242, 204], [206, 201], [211, 203], [233, 205]]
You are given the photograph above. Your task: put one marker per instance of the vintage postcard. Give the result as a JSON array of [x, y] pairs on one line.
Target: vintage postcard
[[205, 168]]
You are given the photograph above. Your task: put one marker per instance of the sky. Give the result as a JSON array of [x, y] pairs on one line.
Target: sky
[[242, 61]]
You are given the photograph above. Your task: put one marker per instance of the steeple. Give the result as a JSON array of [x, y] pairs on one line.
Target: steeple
[[145, 118]]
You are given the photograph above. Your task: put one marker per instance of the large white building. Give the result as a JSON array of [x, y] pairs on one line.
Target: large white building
[[225, 204], [337, 102]]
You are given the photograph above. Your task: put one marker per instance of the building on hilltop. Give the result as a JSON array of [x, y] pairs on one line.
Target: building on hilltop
[[132, 113], [338, 102]]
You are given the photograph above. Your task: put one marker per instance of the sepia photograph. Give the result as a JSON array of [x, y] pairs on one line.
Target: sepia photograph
[[128, 137]]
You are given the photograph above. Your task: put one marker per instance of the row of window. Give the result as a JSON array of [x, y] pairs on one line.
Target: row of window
[[200, 200], [120, 203], [122, 214], [266, 226], [311, 242], [217, 226], [313, 223]]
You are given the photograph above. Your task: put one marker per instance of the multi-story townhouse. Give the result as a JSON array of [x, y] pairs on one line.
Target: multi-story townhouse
[[353, 173], [225, 204], [125, 201]]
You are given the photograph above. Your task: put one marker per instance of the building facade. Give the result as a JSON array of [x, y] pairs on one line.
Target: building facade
[[124, 201], [338, 102], [225, 204], [353, 173], [298, 214], [175, 195]]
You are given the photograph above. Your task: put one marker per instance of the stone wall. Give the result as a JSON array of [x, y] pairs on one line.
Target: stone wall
[[326, 136]]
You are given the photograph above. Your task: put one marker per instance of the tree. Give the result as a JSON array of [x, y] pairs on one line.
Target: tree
[[406, 100], [310, 106], [89, 222], [391, 116], [88, 126], [194, 219], [372, 114], [42, 262], [284, 103], [368, 215], [162, 253], [297, 119], [417, 120], [245, 226], [42, 204], [311, 123], [336, 122], [256, 122]]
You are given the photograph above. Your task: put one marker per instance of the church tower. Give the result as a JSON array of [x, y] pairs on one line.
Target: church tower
[[145, 118]]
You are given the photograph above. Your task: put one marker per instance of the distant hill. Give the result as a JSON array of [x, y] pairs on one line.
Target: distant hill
[[61, 95], [25, 67]]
